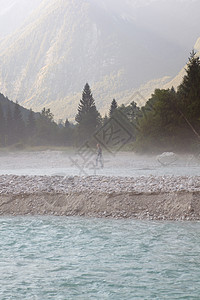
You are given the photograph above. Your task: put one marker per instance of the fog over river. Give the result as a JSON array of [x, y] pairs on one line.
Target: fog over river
[[123, 164]]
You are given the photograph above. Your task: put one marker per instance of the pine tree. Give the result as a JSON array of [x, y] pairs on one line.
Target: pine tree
[[189, 90], [105, 119], [9, 126], [133, 111], [46, 128], [47, 114], [31, 125], [19, 126], [67, 124], [113, 107], [88, 118], [2, 127]]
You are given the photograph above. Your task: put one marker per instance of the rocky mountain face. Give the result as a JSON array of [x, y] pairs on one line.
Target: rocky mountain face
[[66, 43], [176, 81]]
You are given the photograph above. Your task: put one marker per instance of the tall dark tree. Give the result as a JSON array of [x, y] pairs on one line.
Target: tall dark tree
[[105, 119], [9, 126], [88, 118], [189, 90], [2, 127], [67, 124], [46, 128], [157, 125], [19, 126], [31, 124], [47, 114], [131, 111], [113, 107]]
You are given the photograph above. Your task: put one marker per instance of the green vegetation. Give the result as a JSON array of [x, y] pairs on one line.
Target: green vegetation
[[87, 118], [19, 129], [113, 107], [169, 121]]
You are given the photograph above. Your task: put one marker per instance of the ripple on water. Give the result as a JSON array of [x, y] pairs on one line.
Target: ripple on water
[[76, 258]]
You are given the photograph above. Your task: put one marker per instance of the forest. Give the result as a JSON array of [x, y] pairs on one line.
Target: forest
[[169, 121]]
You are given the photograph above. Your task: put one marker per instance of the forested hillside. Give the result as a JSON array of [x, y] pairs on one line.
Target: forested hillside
[[169, 121]]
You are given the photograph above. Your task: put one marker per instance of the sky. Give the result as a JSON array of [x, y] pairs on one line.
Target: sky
[[177, 20], [13, 13]]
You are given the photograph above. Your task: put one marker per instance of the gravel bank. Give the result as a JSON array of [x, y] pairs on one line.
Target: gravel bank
[[163, 197]]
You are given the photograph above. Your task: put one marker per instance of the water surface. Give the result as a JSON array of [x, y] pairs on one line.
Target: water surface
[[78, 258]]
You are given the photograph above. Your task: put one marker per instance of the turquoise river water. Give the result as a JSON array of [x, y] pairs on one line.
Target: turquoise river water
[[78, 258]]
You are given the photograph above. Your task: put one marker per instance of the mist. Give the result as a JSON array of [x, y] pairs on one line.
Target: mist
[[99, 149]]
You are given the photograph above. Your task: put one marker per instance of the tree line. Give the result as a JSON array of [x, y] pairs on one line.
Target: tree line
[[169, 121], [34, 130], [41, 129]]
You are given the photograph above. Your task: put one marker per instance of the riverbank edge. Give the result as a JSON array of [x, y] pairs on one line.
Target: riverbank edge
[[153, 206]]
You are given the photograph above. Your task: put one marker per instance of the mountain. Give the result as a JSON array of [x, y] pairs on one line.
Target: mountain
[[176, 81], [115, 46]]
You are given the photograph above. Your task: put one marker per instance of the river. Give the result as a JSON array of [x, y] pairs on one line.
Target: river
[[79, 258]]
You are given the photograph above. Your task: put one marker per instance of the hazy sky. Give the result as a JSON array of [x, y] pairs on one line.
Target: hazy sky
[[176, 20], [13, 13]]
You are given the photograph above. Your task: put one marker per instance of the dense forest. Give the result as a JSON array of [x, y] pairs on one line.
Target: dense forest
[[169, 121]]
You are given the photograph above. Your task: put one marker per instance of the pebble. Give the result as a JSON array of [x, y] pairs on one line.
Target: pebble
[[12, 184]]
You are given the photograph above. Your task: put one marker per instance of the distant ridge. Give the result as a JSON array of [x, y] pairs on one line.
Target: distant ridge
[[176, 81], [5, 103], [66, 43]]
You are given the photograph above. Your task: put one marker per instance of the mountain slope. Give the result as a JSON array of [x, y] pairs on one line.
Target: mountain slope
[[5, 103], [176, 81], [67, 43]]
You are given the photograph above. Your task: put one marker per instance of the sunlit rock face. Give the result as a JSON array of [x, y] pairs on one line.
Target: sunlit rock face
[[66, 43]]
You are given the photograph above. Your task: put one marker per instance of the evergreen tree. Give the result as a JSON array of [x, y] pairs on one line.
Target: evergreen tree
[[88, 118], [47, 115], [67, 124], [46, 128], [2, 127], [134, 111], [105, 119], [9, 126], [31, 125], [113, 107], [19, 126], [131, 111], [189, 90]]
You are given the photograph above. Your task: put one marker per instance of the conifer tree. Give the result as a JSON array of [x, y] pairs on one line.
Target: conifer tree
[[88, 118], [2, 127], [189, 89], [31, 125], [67, 124], [105, 119], [47, 114], [19, 126], [9, 126], [113, 107], [46, 128]]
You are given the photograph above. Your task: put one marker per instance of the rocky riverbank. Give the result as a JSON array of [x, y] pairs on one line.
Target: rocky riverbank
[[163, 197]]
